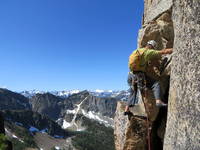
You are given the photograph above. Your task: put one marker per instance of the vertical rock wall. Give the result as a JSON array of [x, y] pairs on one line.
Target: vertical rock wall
[[183, 123], [132, 134], [157, 25], [120, 126], [172, 23], [154, 8]]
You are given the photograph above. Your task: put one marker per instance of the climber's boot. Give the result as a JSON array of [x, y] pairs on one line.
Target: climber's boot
[[159, 103]]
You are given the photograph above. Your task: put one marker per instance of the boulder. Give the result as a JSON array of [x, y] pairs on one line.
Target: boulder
[[161, 30]]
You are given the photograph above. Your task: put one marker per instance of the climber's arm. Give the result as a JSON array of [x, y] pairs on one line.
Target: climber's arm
[[166, 51]]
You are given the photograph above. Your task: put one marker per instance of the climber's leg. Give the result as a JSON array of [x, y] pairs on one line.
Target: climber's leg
[[154, 85], [158, 94], [131, 100]]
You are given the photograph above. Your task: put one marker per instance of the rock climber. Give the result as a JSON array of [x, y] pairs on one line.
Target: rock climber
[[139, 61]]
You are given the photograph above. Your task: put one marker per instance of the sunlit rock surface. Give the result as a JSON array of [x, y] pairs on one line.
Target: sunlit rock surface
[[172, 23], [132, 134], [183, 127]]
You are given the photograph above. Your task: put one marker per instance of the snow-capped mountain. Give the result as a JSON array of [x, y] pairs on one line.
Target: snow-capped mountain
[[123, 95], [63, 94], [31, 93]]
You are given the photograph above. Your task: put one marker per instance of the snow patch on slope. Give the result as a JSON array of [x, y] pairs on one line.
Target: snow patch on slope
[[10, 134], [66, 124], [73, 123], [107, 121], [98, 117]]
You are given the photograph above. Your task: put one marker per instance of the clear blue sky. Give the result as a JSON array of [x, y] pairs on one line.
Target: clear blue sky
[[67, 44]]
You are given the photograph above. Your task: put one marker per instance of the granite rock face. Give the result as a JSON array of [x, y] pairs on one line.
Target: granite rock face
[[172, 23], [161, 30], [136, 134], [105, 106], [131, 134], [121, 124], [154, 8], [183, 127], [47, 104]]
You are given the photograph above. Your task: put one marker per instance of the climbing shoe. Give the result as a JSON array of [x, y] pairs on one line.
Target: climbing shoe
[[161, 105]]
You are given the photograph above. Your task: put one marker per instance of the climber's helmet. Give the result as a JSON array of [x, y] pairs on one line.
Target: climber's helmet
[[152, 43]]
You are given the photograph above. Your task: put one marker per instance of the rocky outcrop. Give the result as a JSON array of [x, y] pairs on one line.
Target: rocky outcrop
[[96, 108], [131, 132], [160, 29], [47, 104], [120, 126], [105, 106], [183, 126], [154, 8], [77, 98], [158, 26], [172, 23]]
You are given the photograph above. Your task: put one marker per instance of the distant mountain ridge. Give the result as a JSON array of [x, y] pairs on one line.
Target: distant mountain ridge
[[119, 94], [65, 109], [12, 100], [78, 112]]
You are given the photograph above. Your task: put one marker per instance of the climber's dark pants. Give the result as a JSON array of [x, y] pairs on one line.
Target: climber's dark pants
[[151, 84], [132, 99], [154, 85]]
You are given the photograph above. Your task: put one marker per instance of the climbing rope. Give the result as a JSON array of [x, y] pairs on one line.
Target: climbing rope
[[148, 124], [143, 89]]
